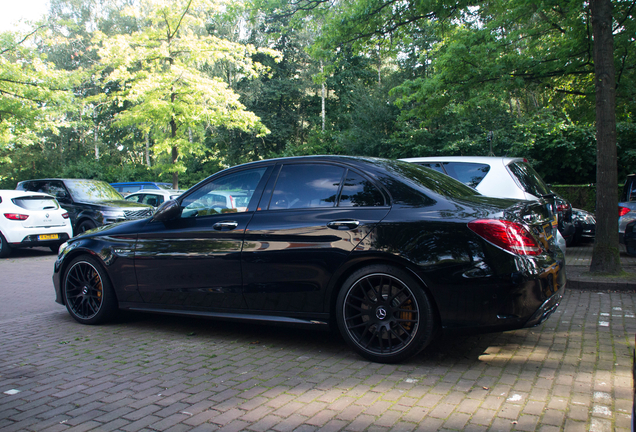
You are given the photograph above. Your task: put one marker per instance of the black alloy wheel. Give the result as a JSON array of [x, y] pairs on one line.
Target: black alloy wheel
[[88, 295], [384, 314]]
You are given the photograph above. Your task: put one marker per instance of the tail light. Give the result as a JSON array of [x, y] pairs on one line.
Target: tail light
[[622, 211], [65, 215], [509, 236], [563, 207], [16, 216]]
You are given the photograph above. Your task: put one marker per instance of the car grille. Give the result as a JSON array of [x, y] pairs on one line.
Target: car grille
[[138, 214]]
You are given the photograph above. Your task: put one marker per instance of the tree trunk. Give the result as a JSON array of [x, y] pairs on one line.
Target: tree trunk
[[322, 98], [148, 149], [175, 155], [605, 256]]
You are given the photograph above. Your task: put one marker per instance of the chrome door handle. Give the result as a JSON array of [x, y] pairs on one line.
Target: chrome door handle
[[225, 225], [343, 224]]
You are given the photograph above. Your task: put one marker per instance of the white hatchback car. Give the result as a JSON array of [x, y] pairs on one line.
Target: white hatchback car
[[29, 219], [502, 177]]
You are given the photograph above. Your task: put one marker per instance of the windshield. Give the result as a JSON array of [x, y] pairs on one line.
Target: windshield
[[92, 190]]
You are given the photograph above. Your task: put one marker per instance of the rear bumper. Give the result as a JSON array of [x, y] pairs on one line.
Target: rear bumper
[[33, 240], [547, 308]]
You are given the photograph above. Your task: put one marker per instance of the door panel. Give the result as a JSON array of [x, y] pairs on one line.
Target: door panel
[[194, 260], [293, 246]]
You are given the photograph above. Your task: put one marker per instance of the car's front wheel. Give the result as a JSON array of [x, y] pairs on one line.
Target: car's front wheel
[[384, 314], [85, 226], [88, 294]]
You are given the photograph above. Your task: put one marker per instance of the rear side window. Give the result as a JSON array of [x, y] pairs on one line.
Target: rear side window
[[359, 192], [36, 203], [433, 165], [471, 174], [528, 179], [306, 186]]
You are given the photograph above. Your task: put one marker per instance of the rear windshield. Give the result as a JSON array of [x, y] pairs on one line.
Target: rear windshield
[[92, 190], [528, 179], [36, 203], [433, 180]]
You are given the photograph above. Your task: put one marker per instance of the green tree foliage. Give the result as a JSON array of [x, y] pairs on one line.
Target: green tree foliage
[[161, 83]]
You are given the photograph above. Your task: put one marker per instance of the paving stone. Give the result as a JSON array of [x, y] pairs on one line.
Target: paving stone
[[145, 374]]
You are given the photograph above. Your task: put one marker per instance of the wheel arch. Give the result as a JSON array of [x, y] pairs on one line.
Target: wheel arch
[[357, 263], [70, 257]]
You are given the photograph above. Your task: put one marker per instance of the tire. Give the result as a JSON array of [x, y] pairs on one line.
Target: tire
[[85, 226], [5, 248], [87, 291], [384, 314]]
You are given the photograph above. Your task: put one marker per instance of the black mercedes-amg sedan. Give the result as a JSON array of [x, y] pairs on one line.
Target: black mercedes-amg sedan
[[387, 251]]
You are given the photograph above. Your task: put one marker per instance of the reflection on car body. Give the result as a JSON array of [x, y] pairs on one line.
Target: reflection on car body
[[387, 251], [503, 177]]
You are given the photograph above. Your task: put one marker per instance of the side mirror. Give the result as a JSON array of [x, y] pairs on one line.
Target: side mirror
[[167, 211]]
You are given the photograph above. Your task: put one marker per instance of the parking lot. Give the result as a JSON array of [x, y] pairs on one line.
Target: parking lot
[[156, 373]]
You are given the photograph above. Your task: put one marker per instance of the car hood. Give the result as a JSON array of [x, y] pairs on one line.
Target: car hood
[[118, 204]]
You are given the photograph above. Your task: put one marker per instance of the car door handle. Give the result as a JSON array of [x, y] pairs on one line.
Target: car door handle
[[343, 224], [225, 225]]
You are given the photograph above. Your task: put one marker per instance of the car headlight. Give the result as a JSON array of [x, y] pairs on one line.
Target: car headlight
[[62, 248], [114, 214]]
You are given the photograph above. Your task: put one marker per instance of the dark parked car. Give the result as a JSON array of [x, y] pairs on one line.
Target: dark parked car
[[584, 225], [387, 251], [90, 203]]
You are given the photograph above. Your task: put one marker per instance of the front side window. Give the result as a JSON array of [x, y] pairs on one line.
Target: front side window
[[153, 200], [134, 198], [57, 189], [306, 186], [359, 192], [228, 194]]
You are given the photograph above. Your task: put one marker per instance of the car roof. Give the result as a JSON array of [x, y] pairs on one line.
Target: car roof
[[62, 179], [157, 192], [475, 159], [12, 193], [139, 183]]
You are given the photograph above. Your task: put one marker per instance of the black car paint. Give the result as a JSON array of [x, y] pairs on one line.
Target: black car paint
[[472, 282]]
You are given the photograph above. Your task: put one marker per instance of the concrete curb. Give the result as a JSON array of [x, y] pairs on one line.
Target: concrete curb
[[580, 278]]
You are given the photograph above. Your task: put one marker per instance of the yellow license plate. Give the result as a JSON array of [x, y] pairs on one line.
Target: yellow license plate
[[48, 237]]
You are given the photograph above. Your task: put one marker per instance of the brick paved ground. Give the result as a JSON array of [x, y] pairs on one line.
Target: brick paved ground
[[152, 373]]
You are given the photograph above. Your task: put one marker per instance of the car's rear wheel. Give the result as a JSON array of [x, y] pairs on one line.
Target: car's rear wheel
[[5, 249], [88, 294], [384, 314]]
